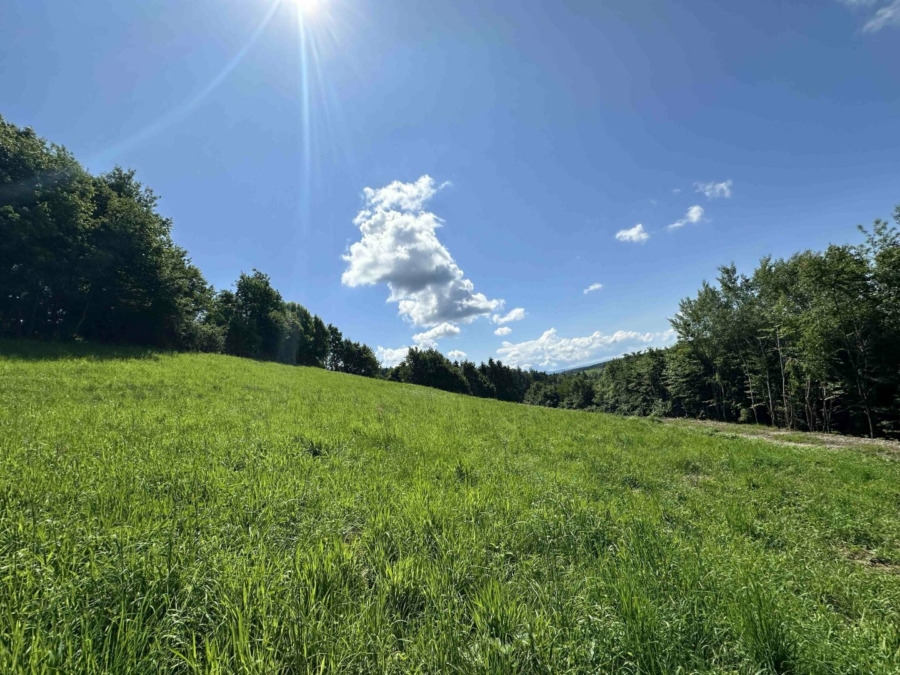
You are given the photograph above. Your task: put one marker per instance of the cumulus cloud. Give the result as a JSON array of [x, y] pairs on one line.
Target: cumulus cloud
[[636, 234], [391, 357], [400, 196], [430, 337], [503, 330], [400, 248], [592, 288], [550, 350], [456, 355], [693, 216], [887, 14], [516, 314], [715, 190]]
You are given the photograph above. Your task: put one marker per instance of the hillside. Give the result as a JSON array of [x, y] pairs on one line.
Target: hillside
[[209, 514], [593, 368]]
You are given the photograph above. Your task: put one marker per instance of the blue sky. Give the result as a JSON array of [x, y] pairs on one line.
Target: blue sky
[[510, 149]]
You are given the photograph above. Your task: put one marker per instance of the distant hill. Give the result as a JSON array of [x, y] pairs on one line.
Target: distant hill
[[594, 368]]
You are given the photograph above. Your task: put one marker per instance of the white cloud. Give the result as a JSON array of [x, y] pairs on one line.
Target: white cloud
[[402, 196], [400, 248], [503, 330], [516, 314], [887, 14], [430, 337], [676, 191], [551, 350], [693, 216], [715, 190], [391, 357], [667, 336], [592, 288], [456, 355], [636, 234]]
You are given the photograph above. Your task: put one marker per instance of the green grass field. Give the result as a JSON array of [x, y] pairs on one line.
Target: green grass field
[[206, 514]]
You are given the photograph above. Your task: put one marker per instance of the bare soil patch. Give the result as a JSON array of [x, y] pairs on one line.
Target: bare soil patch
[[886, 448]]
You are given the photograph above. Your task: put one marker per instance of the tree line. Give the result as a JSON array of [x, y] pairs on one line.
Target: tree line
[[430, 368], [811, 342], [89, 257]]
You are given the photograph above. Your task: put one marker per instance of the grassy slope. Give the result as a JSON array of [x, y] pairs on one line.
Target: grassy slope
[[210, 514]]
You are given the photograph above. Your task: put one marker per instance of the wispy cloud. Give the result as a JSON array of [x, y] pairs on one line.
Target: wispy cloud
[[400, 248], [715, 190], [886, 14], [456, 355], [889, 15], [636, 234], [516, 314], [592, 288], [503, 330], [693, 216], [550, 350]]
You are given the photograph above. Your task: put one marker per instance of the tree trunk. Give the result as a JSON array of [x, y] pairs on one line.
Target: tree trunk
[[788, 413], [87, 304], [37, 300]]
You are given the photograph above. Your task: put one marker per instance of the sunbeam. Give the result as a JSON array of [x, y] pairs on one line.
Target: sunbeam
[[315, 21], [184, 109], [315, 25]]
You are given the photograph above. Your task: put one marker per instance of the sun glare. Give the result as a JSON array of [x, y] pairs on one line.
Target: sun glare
[[309, 7]]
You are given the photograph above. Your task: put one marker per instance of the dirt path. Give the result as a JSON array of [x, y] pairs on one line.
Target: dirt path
[[879, 446]]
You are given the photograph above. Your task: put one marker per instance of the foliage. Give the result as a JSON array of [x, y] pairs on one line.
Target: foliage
[[807, 343], [634, 385], [804, 343], [84, 257], [479, 384], [87, 256], [430, 368], [191, 513], [253, 317]]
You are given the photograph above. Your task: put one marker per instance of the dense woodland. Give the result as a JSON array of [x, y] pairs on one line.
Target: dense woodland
[[493, 379], [807, 343], [812, 342], [87, 257], [90, 258]]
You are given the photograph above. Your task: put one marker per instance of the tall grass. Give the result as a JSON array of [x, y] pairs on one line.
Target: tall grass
[[203, 514]]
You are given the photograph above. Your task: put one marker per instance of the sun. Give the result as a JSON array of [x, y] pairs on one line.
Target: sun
[[309, 7]]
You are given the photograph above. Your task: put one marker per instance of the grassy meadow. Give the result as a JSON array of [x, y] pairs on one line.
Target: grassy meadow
[[208, 514]]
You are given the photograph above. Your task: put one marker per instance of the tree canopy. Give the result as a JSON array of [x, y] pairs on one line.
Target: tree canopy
[[89, 257], [811, 342]]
